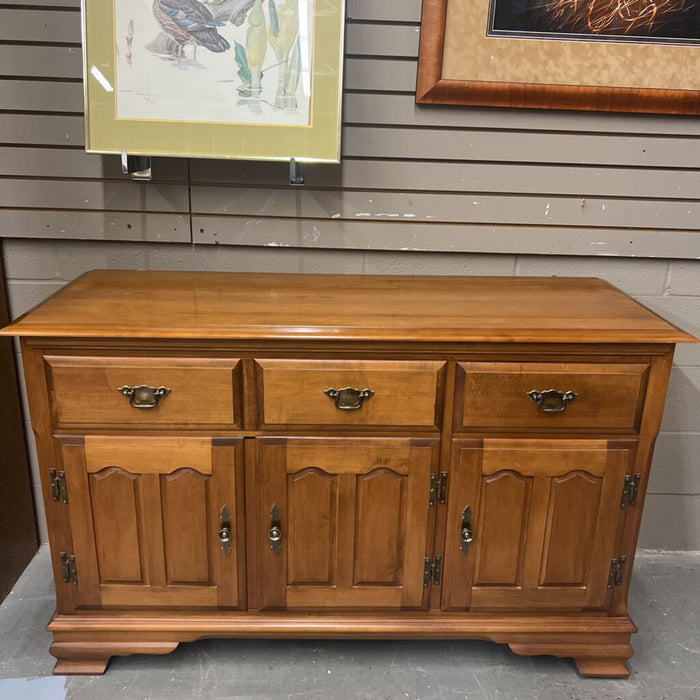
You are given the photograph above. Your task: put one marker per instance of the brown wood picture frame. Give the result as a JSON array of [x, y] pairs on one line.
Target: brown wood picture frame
[[434, 88]]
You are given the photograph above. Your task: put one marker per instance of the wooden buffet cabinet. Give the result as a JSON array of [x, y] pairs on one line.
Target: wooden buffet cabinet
[[258, 455]]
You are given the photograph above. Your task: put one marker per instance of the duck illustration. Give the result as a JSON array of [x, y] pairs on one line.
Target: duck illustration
[[190, 22]]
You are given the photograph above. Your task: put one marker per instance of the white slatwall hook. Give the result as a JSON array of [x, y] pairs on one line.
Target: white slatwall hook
[[296, 173], [137, 167]]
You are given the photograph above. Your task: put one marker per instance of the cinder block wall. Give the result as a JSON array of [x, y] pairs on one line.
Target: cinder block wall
[[37, 268]]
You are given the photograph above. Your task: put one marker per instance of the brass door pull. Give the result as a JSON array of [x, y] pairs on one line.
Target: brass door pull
[[144, 396], [347, 398], [466, 536], [275, 532], [224, 533], [552, 401]]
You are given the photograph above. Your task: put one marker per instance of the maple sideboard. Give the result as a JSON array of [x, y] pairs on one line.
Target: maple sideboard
[[330, 456]]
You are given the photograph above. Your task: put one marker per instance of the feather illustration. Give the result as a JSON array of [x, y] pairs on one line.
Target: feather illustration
[[291, 82], [256, 46], [242, 62], [190, 22], [274, 20]]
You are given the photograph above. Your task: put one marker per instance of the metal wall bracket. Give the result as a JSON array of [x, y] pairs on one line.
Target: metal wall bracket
[[137, 167], [296, 173], [59, 488], [630, 490], [69, 572]]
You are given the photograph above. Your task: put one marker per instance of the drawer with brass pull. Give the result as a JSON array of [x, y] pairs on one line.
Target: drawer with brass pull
[[144, 392], [549, 395], [349, 393]]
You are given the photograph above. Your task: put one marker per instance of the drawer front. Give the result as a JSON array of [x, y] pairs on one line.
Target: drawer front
[[496, 395], [85, 391], [294, 392]]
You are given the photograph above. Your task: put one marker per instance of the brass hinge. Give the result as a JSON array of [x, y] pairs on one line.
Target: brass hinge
[[59, 489], [438, 489], [630, 490], [617, 571], [69, 572], [432, 571]]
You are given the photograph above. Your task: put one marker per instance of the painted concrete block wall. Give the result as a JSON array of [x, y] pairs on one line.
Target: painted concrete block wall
[[37, 268]]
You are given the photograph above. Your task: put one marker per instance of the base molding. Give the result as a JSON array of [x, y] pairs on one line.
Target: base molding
[[84, 643], [602, 668], [605, 659], [90, 657]]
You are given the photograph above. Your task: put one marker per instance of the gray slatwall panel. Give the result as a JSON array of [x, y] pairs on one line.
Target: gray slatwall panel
[[50, 26], [485, 209], [75, 4], [75, 163], [41, 61], [130, 226], [41, 96], [386, 143], [402, 11], [527, 147], [402, 110], [360, 74], [389, 75], [44, 129], [19, 24], [375, 235], [462, 177], [381, 40], [47, 3], [96, 195], [516, 176]]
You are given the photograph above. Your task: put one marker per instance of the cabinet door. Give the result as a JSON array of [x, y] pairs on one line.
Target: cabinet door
[[545, 516], [146, 514], [353, 516]]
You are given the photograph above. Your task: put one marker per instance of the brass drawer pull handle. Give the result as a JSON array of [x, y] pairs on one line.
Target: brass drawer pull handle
[[224, 534], [144, 396], [275, 532], [552, 401], [466, 536], [349, 399]]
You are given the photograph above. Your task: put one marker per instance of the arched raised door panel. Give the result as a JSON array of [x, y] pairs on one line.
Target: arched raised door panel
[[146, 518], [312, 496], [503, 508], [379, 523], [545, 518], [354, 521]]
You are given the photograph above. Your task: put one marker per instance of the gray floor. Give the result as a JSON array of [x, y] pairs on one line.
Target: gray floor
[[664, 601]]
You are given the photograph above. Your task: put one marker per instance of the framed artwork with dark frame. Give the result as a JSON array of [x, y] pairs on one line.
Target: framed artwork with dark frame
[[597, 55]]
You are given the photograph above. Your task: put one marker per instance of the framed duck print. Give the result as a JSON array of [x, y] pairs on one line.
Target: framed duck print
[[255, 79], [605, 55]]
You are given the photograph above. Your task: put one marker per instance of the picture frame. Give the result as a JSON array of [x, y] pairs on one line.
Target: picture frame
[[463, 62], [250, 79]]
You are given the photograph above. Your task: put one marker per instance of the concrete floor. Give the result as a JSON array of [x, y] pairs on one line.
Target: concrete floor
[[664, 601]]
